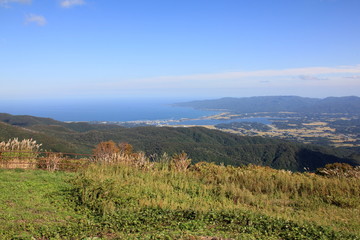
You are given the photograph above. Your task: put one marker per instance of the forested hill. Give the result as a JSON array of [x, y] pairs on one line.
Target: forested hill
[[280, 104], [200, 143]]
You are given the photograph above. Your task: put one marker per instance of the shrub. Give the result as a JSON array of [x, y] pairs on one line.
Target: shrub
[[51, 162], [110, 153], [339, 170], [180, 162], [105, 151], [126, 148]]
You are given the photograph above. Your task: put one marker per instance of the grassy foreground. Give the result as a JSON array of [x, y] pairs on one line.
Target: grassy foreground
[[125, 202], [35, 204]]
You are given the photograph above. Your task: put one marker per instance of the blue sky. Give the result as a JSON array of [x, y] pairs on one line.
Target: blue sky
[[178, 48]]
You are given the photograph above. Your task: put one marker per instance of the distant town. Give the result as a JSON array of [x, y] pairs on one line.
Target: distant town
[[335, 129]]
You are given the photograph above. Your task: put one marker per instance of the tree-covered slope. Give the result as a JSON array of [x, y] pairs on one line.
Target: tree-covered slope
[[200, 143], [49, 142], [349, 105]]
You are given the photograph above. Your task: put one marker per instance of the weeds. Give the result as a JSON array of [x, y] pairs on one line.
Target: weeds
[[125, 195], [110, 153], [26, 154], [340, 170], [118, 191], [180, 162], [15, 153]]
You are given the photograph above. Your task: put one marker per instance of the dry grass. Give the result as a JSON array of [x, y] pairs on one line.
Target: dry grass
[[19, 154], [300, 197], [25, 154]]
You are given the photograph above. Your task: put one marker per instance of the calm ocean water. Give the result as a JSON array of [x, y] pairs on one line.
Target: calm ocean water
[[115, 110], [102, 110]]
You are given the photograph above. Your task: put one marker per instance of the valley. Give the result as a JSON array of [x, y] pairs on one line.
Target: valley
[[337, 130], [330, 121]]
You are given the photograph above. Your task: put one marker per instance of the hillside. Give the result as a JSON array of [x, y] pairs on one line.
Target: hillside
[[49, 142], [205, 201], [200, 143], [280, 104]]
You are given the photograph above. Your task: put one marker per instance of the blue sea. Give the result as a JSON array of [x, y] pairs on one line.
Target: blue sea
[[114, 110], [119, 110]]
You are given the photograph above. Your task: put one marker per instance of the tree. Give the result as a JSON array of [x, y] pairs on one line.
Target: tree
[[105, 149], [126, 148]]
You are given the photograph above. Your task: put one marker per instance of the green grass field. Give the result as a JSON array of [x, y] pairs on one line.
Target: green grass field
[[36, 204], [124, 202]]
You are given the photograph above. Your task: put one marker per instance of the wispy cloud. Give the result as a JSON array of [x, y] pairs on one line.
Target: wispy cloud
[[264, 81], [340, 81], [311, 78], [71, 3], [36, 19], [291, 78], [311, 71], [5, 3], [354, 77]]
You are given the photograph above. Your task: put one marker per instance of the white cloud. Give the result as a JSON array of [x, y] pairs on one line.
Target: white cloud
[[70, 3], [269, 73], [37, 19], [340, 81], [285, 78]]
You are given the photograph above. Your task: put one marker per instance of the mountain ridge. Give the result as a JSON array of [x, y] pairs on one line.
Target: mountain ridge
[[347, 104]]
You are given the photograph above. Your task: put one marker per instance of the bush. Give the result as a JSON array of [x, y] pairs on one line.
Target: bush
[[180, 162], [339, 170], [105, 151]]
